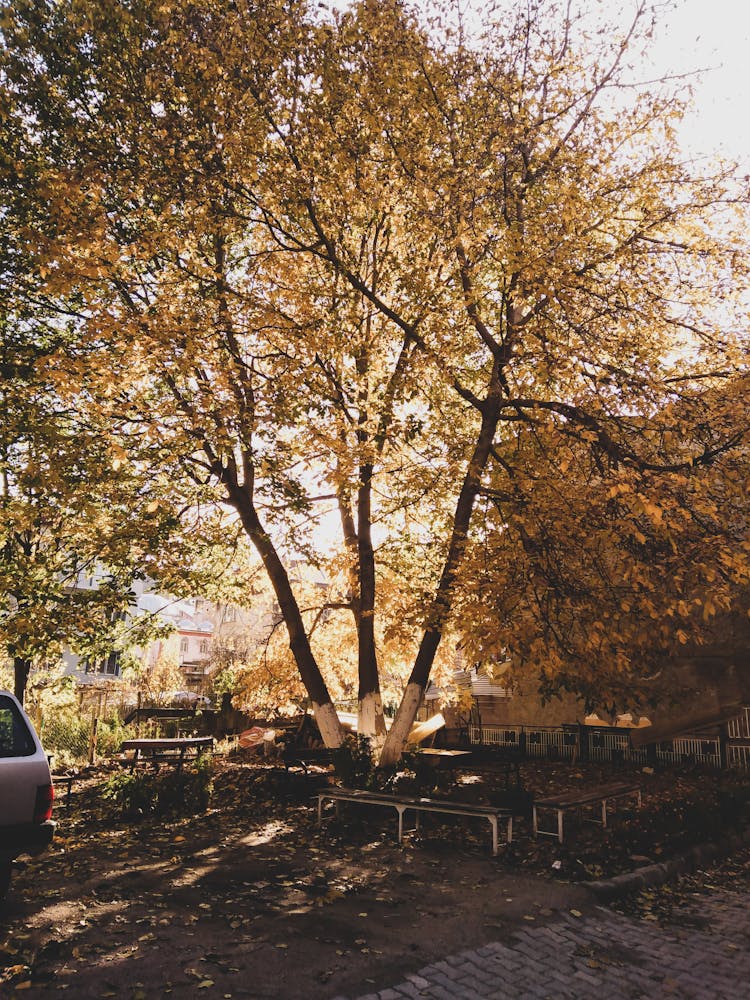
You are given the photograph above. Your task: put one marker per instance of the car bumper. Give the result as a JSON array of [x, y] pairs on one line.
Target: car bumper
[[26, 838]]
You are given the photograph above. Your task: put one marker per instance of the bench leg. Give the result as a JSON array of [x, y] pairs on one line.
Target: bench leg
[[509, 833], [560, 825], [401, 810], [493, 824], [534, 820], [320, 809], [604, 813]]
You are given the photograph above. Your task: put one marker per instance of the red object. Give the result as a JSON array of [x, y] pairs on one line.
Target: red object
[[45, 795], [251, 738]]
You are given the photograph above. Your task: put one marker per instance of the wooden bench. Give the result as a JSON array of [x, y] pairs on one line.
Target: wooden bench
[[402, 803], [66, 781], [500, 765], [567, 801], [305, 757], [505, 765], [169, 751]]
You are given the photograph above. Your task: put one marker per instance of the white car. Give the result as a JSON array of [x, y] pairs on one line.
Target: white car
[[26, 791], [188, 699]]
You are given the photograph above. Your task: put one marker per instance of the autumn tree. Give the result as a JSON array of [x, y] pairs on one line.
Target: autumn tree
[[598, 571], [78, 525], [367, 260], [76, 531]]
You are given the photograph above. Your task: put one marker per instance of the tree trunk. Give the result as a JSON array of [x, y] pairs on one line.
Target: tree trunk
[[441, 602], [323, 709], [371, 721], [21, 668]]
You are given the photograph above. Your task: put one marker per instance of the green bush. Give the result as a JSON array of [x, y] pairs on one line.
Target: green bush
[[66, 736], [188, 790], [110, 734], [353, 762], [133, 795], [140, 793]]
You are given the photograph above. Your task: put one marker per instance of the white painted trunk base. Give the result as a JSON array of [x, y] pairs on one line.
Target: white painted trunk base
[[328, 724], [370, 718], [395, 741]]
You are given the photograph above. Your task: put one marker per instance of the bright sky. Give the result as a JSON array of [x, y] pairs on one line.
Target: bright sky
[[708, 35], [713, 35]]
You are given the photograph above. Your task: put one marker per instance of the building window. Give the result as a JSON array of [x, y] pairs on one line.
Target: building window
[[108, 665], [184, 645], [203, 647], [112, 664]]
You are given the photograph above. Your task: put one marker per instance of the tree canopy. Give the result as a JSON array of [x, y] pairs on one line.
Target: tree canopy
[[453, 281]]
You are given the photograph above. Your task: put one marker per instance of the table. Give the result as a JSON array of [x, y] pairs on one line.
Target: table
[[468, 760], [444, 759], [171, 751]]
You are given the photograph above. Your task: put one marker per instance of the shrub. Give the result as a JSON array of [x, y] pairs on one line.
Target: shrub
[[110, 734], [353, 762], [142, 793], [188, 790], [132, 794], [66, 736]]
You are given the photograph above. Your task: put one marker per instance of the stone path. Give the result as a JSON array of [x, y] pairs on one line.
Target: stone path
[[602, 955]]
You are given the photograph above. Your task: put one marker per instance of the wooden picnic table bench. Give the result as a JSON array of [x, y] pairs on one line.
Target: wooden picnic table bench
[[402, 803], [170, 751], [66, 781], [505, 766], [304, 757], [579, 799]]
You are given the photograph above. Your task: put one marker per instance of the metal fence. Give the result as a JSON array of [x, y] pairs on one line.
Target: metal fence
[[496, 736], [613, 745], [533, 741], [606, 744], [739, 757], [554, 743], [690, 749], [739, 728]]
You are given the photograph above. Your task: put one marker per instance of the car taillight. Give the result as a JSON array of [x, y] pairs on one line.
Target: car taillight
[[45, 795]]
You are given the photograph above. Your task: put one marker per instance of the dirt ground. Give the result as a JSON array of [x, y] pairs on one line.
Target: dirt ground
[[251, 899]]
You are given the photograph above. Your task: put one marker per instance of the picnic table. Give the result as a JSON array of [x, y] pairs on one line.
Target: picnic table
[[170, 751], [505, 765], [64, 781], [306, 757], [580, 799], [443, 759]]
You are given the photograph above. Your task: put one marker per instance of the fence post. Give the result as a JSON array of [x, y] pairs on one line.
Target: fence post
[[583, 742], [522, 742], [92, 738], [723, 744]]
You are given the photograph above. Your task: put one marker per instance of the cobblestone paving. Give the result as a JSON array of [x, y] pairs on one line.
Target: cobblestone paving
[[703, 955]]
